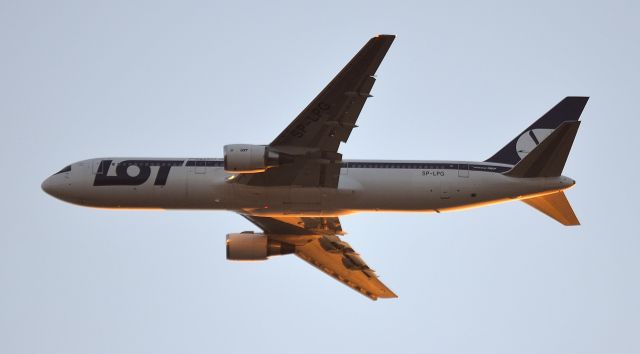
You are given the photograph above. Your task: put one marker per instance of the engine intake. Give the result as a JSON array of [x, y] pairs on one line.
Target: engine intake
[[246, 158], [248, 246]]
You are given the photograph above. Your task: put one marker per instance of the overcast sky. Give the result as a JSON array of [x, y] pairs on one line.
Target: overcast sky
[[81, 79]]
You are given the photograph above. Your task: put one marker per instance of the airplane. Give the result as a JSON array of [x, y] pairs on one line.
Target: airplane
[[296, 188]]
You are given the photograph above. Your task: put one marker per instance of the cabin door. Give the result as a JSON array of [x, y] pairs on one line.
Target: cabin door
[[463, 170]]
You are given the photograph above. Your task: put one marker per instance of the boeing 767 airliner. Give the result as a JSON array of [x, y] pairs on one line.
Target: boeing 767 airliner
[[296, 187]]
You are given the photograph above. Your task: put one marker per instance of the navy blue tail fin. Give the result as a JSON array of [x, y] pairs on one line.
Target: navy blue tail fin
[[569, 109]]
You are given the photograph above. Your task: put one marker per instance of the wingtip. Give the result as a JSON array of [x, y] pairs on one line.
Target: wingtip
[[388, 294], [383, 296]]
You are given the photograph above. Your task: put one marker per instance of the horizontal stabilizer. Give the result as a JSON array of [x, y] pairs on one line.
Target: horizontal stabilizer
[[556, 206], [549, 157]]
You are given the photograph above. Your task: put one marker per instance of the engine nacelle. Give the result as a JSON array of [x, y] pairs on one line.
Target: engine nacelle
[[246, 158], [248, 246]]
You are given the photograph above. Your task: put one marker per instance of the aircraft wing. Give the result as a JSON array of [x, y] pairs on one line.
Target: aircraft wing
[[331, 116], [316, 241], [313, 138]]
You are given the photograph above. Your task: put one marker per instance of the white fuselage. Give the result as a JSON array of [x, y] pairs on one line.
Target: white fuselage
[[364, 186]]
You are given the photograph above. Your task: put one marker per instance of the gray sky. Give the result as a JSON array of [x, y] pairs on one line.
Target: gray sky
[[122, 78]]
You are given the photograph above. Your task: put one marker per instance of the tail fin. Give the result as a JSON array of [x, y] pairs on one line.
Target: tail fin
[[556, 206], [548, 158], [569, 109]]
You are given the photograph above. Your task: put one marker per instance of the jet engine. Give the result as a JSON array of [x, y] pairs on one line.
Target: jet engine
[[246, 158], [248, 246]]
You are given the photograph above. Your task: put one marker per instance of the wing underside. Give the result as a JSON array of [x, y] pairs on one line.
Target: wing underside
[[317, 242], [336, 258]]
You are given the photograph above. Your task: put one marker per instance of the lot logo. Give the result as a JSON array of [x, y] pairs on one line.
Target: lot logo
[[530, 139], [126, 172]]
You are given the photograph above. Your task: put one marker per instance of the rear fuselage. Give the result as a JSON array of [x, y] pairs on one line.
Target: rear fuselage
[[364, 186]]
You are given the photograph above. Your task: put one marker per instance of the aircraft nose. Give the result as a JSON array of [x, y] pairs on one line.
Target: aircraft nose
[[46, 186], [59, 184], [52, 186]]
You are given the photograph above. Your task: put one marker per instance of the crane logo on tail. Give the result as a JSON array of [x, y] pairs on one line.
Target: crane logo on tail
[[530, 139]]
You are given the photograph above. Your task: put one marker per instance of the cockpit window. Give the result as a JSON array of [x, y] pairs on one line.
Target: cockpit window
[[66, 169]]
